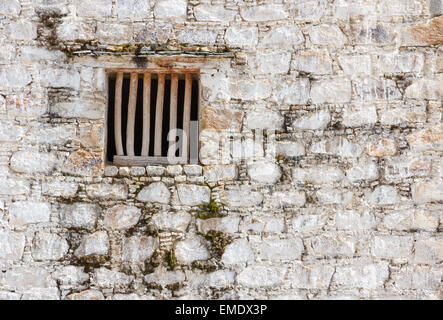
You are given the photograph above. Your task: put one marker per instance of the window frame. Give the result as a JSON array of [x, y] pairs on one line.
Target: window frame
[[126, 160]]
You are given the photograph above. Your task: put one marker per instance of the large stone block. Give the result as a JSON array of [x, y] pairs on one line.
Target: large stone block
[[191, 249], [315, 62], [241, 36], [327, 35], [359, 115], [213, 13], [331, 245], [60, 78], [12, 245], [237, 252], [392, 247], [292, 91], [49, 246], [241, 196], [155, 192], [133, 9], [262, 276], [264, 118], [192, 195], [56, 188], [279, 249], [365, 276], [270, 62], [313, 121], [290, 198], [219, 172], [33, 162], [14, 77], [338, 146], [384, 195], [170, 10], [264, 172], [101, 8], [331, 91], [138, 248], [317, 175], [428, 251], [93, 244], [83, 163], [262, 13], [121, 217], [310, 276], [171, 221], [429, 139], [430, 191], [10, 7], [22, 213], [79, 215], [106, 278], [107, 191], [382, 148], [282, 37], [226, 224]]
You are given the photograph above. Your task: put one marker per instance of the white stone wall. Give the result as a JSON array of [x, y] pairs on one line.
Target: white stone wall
[[349, 206]]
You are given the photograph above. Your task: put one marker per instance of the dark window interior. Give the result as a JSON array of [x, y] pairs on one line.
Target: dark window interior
[[111, 151]]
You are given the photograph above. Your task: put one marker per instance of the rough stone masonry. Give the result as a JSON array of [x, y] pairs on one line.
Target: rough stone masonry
[[348, 206]]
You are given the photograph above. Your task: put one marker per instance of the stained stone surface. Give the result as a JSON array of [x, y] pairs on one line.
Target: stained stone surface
[[320, 170]]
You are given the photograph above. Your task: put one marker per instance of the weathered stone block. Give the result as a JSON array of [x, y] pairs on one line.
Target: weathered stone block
[[22, 213], [309, 222], [101, 8], [282, 199], [237, 252], [338, 146], [279, 249], [241, 36], [241, 196], [315, 62], [12, 245], [424, 192], [384, 195], [170, 10], [192, 195], [292, 91], [121, 217], [428, 251], [70, 275], [331, 91], [138, 248], [83, 163], [314, 121], [364, 170], [354, 220], [318, 175], [392, 247], [216, 13], [310, 276], [250, 89], [93, 244], [90, 294], [334, 196], [355, 65], [263, 13], [359, 115], [171, 221], [330, 246], [33, 162], [327, 35], [23, 278], [219, 172], [133, 9], [79, 215], [49, 246], [282, 37], [191, 249], [382, 148], [14, 77], [264, 172], [225, 224], [155, 192], [107, 191], [106, 278], [261, 276], [61, 78], [428, 139], [264, 118], [10, 7], [367, 276], [270, 62], [417, 277]]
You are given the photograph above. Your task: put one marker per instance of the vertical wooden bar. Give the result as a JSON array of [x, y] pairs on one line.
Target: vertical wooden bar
[[187, 114], [146, 112], [118, 114], [131, 114], [173, 109], [159, 115]]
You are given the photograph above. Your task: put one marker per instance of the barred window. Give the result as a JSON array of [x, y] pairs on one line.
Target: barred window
[[152, 116]]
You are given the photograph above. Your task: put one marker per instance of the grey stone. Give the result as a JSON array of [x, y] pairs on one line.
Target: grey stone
[[58, 188], [331, 91], [392, 247], [192, 195], [310, 276], [276, 249], [225, 224], [261, 276], [292, 91], [317, 120], [367, 276], [121, 217], [315, 62], [138, 248], [327, 35], [264, 172], [318, 175], [282, 36], [359, 115], [290, 149], [22, 213], [171, 221], [106, 278], [107, 191], [10, 7], [70, 275], [329, 246], [191, 249], [79, 215], [270, 62], [281, 199], [262, 224], [155, 192], [12, 245], [101, 8], [49, 246], [61, 78], [424, 192], [262, 13], [33, 162], [237, 252], [384, 195], [170, 9], [14, 77], [239, 36], [93, 244], [134, 9], [216, 13], [241, 197], [264, 118]]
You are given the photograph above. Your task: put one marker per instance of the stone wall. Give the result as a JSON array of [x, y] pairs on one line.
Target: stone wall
[[348, 204]]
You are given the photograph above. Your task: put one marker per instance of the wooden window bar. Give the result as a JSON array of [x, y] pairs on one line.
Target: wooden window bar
[[120, 158]]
